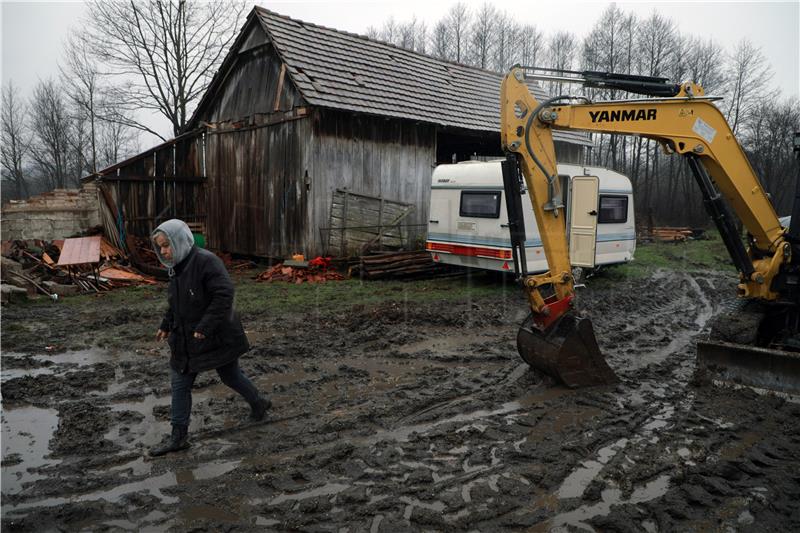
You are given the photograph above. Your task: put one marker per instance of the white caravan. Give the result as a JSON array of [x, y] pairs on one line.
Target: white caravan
[[468, 224]]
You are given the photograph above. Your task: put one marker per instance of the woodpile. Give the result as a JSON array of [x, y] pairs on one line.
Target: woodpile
[[393, 265], [298, 275], [671, 234]]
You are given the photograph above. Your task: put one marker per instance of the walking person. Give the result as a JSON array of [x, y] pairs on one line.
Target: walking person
[[201, 327]]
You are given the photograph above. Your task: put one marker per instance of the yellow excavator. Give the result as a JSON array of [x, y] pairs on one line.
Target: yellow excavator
[[758, 343]]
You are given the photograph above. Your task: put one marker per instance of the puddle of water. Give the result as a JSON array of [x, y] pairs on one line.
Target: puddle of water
[[329, 489], [376, 524], [26, 431], [613, 496], [576, 483], [151, 485], [436, 506], [13, 373]]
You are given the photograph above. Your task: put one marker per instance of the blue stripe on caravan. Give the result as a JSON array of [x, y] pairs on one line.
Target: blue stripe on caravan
[[506, 243], [616, 237], [497, 242], [469, 187], [500, 188]]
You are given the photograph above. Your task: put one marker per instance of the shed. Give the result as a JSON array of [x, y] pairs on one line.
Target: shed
[[298, 113]]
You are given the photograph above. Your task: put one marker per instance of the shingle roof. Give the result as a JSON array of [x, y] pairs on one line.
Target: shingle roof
[[341, 70]]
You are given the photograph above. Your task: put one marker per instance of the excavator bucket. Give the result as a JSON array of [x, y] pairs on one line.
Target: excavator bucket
[[567, 351], [763, 368]]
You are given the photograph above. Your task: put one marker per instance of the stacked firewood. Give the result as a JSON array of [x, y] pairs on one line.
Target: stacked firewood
[[398, 265], [298, 274]]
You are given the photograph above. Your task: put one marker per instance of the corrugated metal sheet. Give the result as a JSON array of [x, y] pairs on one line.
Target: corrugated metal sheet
[[350, 72]]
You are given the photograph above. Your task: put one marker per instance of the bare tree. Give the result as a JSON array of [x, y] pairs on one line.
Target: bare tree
[[15, 140], [422, 38], [440, 40], [115, 142], [561, 54], [389, 31], [532, 45], [748, 82], [166, 51], [768, 143], [656, 42], [80, 148], [506, 49], [705, 64], [407, 34], [458, 25], [51, 130], [80, 77], [482, 35], [603, 50]]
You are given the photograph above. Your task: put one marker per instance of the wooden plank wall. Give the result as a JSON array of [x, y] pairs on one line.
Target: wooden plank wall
[[257, 198], [163, 183], [360, 223], [368, 155]]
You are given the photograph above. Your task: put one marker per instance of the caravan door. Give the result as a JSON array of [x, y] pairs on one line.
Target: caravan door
[[583, 220]]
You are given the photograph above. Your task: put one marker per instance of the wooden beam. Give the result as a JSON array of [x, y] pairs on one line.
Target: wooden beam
[[180, 179], [278, 93]]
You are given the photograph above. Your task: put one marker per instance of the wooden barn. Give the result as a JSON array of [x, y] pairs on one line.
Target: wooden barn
[[299, 121]]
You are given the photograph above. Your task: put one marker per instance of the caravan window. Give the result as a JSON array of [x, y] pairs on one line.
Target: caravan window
[[480, 204], [613, 209]]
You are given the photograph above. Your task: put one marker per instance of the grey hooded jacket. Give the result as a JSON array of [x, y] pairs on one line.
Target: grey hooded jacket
[[200, 300]]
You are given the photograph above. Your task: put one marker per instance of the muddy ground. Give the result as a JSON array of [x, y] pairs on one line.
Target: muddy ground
[[394, 415]]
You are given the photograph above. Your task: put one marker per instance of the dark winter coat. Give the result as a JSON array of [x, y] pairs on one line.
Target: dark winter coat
[[201, 300]]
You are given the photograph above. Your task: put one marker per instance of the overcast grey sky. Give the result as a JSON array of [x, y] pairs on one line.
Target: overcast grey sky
[[33, 32]]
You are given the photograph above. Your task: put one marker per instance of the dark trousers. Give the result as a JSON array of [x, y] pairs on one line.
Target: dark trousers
[[231, 376]]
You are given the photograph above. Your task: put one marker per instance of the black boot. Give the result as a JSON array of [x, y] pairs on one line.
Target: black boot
[[177, 441], [259, 409]]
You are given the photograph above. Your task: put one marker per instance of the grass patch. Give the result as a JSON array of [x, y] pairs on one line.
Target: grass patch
[[129, 296], [684, 256], [255, 297]]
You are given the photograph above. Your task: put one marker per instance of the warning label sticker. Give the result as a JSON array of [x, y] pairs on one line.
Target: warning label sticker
[[704, 130]]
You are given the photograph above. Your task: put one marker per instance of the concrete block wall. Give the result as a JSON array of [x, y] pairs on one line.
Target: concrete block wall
[[53, 215]]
